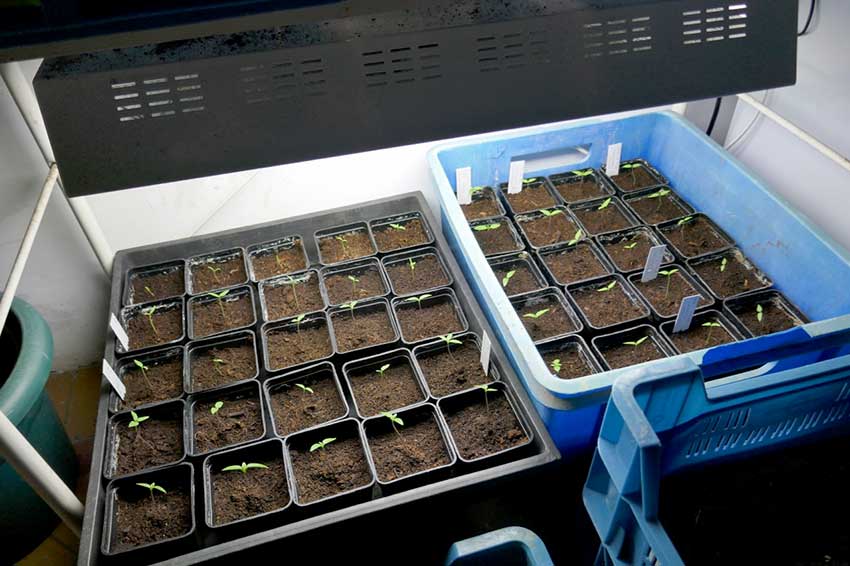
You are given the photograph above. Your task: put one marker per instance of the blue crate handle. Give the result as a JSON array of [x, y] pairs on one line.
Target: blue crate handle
[[487, 546]]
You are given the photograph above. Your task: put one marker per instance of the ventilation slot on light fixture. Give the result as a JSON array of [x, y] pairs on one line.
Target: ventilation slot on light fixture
[[713, 25], [618, 37], [157, 97], [402, 65]]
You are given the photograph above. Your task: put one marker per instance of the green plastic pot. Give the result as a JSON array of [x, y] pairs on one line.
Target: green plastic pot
[[26, 354]]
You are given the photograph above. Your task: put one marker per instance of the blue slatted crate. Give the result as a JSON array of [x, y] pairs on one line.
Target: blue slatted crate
[[511, 546]]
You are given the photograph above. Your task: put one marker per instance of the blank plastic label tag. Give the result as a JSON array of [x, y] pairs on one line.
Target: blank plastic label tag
[[653, 262], [119, 332], [686, 313], [113, 380], [612, 163], [463, 182], [485, 352], [515, 174]]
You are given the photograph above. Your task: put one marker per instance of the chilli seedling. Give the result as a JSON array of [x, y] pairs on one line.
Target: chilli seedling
[[608, 287], [380, 371], [411, 264], [215, 271], [582, 172], [297, 320], [350, 306], [507, 278], [759, 313], [682, 224], [244, 467], [486, 389], [449, 339], [630, 246], [556, 365], [475, 190], [216, 407], [529, 181], [321, 444], [634, 344], [711, 326], [418, 300], [136, 420], [151, 487], [630, 167], [397, 227], [344, 243], [149, 291], [217, 363], [535, 315], [576, 239], [550, 217], [723, 263], [144, 369], [354, 281], [487, 227], [219, 297], [394, 419], [280, 263], [149, 312], [605, 204], [304, 388], [292, 282], [659, 194], [668, 273]]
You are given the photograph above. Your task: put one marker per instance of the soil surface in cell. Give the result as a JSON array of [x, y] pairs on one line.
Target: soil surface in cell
[[667, 299], [625, 355], [554, 322], [630, 254], [416, 447], [531, 197], [218, 366], [544, 231], [698, 336], [362, 329], [211, 275], [301, 295], [522, 280], [735, 278], [158, 382], [577, 264], [156, 441], [486, 428], [634, 179], [435, 317], [342, 289], [450, 371], [142, 519], [212, 317], [773, 318], [165, 325], [427, 273], [157, 285], [605, 308], [577, 190], [288, 348], [238, 420], [570, 364], [657, 209], [483, 205], [338, 467], [408, 233], [295, 409], [598, 221], [279, 261], [393, 389], [346, 246], [498, 240], [238, 496], [695, 237]]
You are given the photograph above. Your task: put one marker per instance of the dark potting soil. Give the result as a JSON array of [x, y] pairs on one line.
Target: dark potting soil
[[698, 337], [485, 428], [394, 389], [572, 364], [141, 518], [554, 322], [634, 179], [629, 258], [341, 289], [427, 273], [208, 318], [363, 329], [548, 230], [657, 209], [448, 372], [498, 240], [235, 364], [483, 205], [278, 261], [288, 300], [695, 237], [624, 355], [522, 280], [605, 308], [208, 276], [157, 285], [666, 300], [389, 238], [531, 197], [238, 420], [289, 348], [416, 447], [165, 325], [155, 442], [735, 278], [160, 381], [237, 495], [574, 191], [436, 317], [597, 221], [357, 244], [338, 467], [576, 265], [295, 409], [774, 319]]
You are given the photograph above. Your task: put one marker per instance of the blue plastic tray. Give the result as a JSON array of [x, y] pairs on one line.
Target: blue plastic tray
[[805, 264], [663, 418], [502, 547]]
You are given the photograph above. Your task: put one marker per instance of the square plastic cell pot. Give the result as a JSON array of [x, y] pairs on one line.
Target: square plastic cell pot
[[683, 342], [524, 277], [179, 483], [539, 229], [305, 342], [567, 265], [580, 185], [278, 257], [496, 236], [675, 234], [332, 250], [560, 315], [682, 277], [738, 275], [304, 288], [411, 226], [628, 260], [450, 316], [170, 413], [202, 404], [445, 372], [507, 429], [576, 358], [293, 409], [429, 271], [232, 349], [391, 445], [241, 297], [777, 313], [595, 220], [369, 325], [157, 364], [305, 471], [485, 204], [613, 352], [626, 297], [645, 175], [539, 195], [371, 281], [155, 282], [657, 204], [374, 391], [134, 320], [268, 453], [214, 271]]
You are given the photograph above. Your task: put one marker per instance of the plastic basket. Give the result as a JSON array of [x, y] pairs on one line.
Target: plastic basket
[[509, 546], [779, 240]]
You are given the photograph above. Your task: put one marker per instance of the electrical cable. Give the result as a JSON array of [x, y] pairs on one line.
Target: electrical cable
[[729, 146], [714, 114], [808, 19]]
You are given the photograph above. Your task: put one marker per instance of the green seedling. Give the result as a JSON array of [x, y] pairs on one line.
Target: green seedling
[[759, 313], [529, 181], [280, 263], [354, 281], [582, 172], [636, 343], [683, 223], [149, 291], [144, 369], [151, 487], [397, 227], [668, 273], [550, 213], [449, 339], [394, 419], [321, 444], [411, 264], [217, 363], [535, 315], [136, 420], [630, 167], [723, 265], [658, 195], [380, 371], [215, 271], [605, 204], [608, 287], [216, 407], [576, 238], [344, 243], [292, 281], [486, 227], [304, 388], [475, 190], [244, 467], [555, 365], [149, 312], [219, 297], [297, 320], [507, 278], [630, 246], [350, 306], [486, 390], [711, 326], [418, 300]]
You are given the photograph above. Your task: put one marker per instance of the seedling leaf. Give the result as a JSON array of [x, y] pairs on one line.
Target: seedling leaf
[[216, 407], [604, 204], [136, 420], [303, 387], [397, 227], [636, 343], [630, 246], [723, 265], [578, 236], [244, 467], [582, 172], [684, 220], [535, 315], [507, 278], [485, 227], [550, 213], [151, 487], [659, 193], [556, 365], [321, 444], [759, 313], [608, 287]]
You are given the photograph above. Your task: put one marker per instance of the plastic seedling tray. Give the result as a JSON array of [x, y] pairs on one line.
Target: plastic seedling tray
[[277, 257], [622, 289], [365, 272], [296, 285], [707, 317], [682, 277], [675, 232], [216, 349], [404, 311], [561, 227], [542, 196], [404, 279], [595, 220], [151, 361], [460, 379], [526, 275], [744, 309], [556, 348], [347, 330], [657, 204], [559, 260], [220, 269], [234, 297], [708, 270], [574, 187], [606, 343], [364, 374], [485, 204], [409, 225], [128, 314], [202, 404], [336, 241], [145, 276], [508, 238], [529, 305], [288, 331], [655, 177], [634, 259]]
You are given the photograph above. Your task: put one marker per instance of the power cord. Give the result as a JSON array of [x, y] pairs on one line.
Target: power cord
[[714, 114], [808, 19], [729, 146]]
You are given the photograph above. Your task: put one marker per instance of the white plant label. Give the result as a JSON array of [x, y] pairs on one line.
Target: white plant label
[[463, 182], [612, 163], [119, 332], [653, 263], [113, 379], [485, 352], [515, 175], [686, 313]]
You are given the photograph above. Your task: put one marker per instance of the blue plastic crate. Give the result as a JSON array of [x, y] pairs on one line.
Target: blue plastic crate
[[511, 546], [663, 419], [805, 264]]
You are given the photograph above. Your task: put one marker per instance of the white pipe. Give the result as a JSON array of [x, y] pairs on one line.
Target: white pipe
[[24, 97], [29, 464], [800, 133]]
